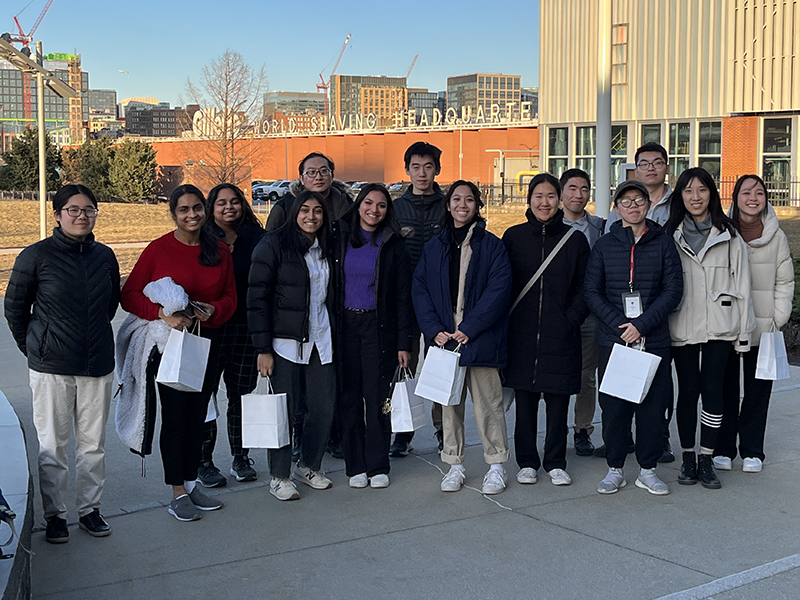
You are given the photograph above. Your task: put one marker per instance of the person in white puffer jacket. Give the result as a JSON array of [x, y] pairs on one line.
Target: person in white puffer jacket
[[772, 290], [714, 317]]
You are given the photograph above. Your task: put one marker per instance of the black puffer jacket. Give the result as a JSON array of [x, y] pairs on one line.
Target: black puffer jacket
[[420, 218], [59, 304], [544, 338], [657, 276], [247, 238]]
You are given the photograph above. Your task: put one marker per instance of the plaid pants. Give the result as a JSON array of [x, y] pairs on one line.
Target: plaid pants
[[237, 367]]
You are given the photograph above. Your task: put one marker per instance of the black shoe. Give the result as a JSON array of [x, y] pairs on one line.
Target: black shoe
[[440, 438], [242, 468], [209, 476], [667, 456], [705, 472], [94, 524], [335, 449], [57, 532], [583, 443], [688, 474], [600, 451], [401, 445]]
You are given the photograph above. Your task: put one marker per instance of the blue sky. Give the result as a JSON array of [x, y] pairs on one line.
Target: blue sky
[[162, 43]]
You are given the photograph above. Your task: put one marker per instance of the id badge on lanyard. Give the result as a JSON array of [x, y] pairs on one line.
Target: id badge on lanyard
[[632, 301]]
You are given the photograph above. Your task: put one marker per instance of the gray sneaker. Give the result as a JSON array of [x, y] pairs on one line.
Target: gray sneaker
[[648, 480], [283, 489], [182, 509], [612, 482], [203, 502], [315, 479]]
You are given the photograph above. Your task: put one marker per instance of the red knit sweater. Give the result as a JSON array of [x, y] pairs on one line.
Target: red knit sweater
[[167, 257]]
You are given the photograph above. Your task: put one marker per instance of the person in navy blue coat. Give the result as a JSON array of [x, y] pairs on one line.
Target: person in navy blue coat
[[633, 282], [461, 292]]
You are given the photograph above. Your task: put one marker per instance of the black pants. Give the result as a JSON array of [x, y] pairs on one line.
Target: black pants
[[319, 382], [618, 415], [749, 420], [182, 417], [364, 430], [526, 430], [701, 371]]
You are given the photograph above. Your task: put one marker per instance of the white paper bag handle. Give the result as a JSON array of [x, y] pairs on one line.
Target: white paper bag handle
[[261, 379]]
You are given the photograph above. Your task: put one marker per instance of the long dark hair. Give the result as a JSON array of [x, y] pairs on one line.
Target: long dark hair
[[353, 218], [209, 250], [248, 216], [738, 188], [677, 208], [290, 234], [447, 220]]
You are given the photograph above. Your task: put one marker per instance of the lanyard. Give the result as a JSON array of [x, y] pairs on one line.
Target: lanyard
[[630, 278]]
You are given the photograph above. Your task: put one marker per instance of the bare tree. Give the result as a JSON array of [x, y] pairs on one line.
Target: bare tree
[[230, 96]]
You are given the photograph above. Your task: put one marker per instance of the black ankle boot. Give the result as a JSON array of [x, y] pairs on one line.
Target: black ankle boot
[[705, 473], [688, 474]]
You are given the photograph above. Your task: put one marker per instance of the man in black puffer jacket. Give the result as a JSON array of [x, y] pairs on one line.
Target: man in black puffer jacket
[[420, 212], [633, 282]]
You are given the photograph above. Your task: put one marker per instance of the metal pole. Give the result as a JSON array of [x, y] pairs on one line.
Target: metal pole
[[42, 154], [602, 172], [460, 151]]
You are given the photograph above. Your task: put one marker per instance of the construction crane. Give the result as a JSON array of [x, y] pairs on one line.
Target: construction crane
[[411, 68], [25, 40], [323, 85]]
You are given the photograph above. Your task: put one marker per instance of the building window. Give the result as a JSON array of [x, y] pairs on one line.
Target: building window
[[678, 148], [619, 149], [585, 148], [651, 133], [619, 54], [558, 148], [777, 165], [709, 149]]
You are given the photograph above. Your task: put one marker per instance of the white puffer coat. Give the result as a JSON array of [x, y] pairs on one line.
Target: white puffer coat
[[716, 302]]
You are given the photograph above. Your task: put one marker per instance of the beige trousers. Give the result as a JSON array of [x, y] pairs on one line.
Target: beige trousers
[[487, 398], [61, 403]]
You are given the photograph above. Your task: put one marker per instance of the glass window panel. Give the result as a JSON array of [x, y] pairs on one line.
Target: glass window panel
[[777, 135], [777, 169], [710, 138], [557, 166], [558, 141], [587, 164], [619, 140], [616, 165], [679, 138], [677, 165], [586, 141], [712, 165], [651, 133]]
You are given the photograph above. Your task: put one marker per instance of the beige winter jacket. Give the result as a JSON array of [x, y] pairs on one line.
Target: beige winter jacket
[[716, 301], [771, 277]]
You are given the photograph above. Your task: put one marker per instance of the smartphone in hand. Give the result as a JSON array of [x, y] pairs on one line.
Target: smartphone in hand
[[198, 308]]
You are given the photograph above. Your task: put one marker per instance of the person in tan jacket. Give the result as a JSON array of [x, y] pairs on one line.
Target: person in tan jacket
[[714, 317], [772, 290]]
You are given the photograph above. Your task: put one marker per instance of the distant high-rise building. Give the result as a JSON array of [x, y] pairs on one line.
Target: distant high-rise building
[[423, 102], [531, 94], [294, 103], [364, 95], [102, 102], [158, 121], [484, 90], [136, 102]]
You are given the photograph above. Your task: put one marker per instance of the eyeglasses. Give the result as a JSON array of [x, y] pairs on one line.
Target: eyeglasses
[[628, 202], [312, 173], [74, 211], [646, 164]]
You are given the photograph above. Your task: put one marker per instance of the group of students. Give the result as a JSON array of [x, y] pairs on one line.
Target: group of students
[[330, 302]]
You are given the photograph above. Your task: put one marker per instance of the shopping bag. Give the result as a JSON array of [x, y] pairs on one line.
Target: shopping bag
[[629, 373], [212, 413], [183, 364], [408, 409], [265, 418], [442, 378], [772, 363]]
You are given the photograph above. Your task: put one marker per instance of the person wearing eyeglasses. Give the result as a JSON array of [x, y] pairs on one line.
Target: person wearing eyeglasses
[[633, 282], [62, 295]]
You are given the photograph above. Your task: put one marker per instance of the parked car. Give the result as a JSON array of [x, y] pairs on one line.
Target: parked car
[[277, 190], [258, 189], [356, 186], [395, 187]]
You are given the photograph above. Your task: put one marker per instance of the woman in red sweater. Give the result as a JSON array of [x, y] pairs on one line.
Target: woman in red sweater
[[203, 267]]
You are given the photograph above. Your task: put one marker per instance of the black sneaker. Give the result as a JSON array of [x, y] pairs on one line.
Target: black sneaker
[[335, 449], [705, 472], [242, 468], [583, 443], [209, 476], [688, 474], [600, 451], [439, 438], [667, 456], [94, 524], [57, 532], [401, 445]]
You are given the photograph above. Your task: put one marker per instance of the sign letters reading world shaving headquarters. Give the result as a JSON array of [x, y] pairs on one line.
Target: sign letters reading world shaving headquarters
[[208, 121]]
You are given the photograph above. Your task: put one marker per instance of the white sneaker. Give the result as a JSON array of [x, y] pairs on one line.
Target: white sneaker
[[752, 465], [527, 475], [722, 463], [559, 477], [379, 481], [453, 480], [494, 482], [613, 482], [315, 479], [283, 489], [648, 480], [359, 481]]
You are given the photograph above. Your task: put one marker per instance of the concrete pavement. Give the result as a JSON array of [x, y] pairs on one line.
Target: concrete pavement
[[412, 541]]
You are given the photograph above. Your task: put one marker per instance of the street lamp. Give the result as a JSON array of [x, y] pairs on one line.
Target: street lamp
[[55, 85]]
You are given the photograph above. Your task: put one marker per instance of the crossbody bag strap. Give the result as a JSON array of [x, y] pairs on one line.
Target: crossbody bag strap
[[541, 269]]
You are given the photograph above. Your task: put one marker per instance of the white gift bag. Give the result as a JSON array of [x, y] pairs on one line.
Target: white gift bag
[[442, 378], [183, 364], [408, 409], [772, 363], [265, 418], [629, 373], [212, 413]]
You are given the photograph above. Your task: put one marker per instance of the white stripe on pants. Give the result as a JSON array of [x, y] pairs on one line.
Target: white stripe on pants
[[59, 402]]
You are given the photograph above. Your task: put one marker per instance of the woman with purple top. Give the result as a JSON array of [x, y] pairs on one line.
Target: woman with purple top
[[374, 303]]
